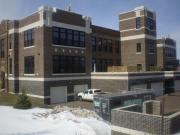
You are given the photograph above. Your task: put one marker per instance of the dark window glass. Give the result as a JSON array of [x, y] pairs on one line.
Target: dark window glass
[[117, 46], [68, 64], [10, 41], [152, 48], [105, 65], [104, 44], [93, 40], [138, 47], [82, 65], [10, 65], [55, 35], [170, 52], [150, 23], [69, 37], [138, 22], [100, 45], [82, 39], [62, 36], [118, 62], [29, 65], [2, 41], [110, 45], [94, 64], [100, 65], [29, 38], [110, 62], [76, 38]]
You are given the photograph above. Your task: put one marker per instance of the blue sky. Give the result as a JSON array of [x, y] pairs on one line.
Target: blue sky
[[104, 12]]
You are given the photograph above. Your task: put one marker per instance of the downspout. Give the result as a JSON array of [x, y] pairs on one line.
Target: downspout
[[7, 56]]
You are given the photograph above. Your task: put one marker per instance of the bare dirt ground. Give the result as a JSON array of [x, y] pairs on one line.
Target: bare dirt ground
[[171, 102]]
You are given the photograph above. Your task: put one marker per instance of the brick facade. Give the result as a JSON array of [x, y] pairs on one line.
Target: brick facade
[[111, 48]]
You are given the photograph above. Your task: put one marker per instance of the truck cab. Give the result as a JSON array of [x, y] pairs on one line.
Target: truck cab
[[88, 94]]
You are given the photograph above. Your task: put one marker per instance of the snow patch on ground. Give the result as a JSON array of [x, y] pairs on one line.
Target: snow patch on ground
[[60, 121]]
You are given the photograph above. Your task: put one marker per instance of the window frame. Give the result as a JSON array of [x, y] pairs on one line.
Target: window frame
[[2, 48], [138, 22], [29, 38], [68, 64], [29, 66], [68, 37], [138, 48]]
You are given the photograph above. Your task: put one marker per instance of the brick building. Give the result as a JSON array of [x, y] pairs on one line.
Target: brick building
[[52, 53], [166, 54], [138, 38], [52, 48]]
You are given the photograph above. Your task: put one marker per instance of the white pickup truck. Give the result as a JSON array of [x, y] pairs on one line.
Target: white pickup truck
[[88, 94]]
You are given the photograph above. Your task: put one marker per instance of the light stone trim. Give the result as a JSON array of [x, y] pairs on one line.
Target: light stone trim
[[32, 95], [125, 77], [136, 29], [48, 79], [138, 37], [165, 45], [29, 47], [110, 77], [50, 23], [63, 46], [130, 18], [70, 74]]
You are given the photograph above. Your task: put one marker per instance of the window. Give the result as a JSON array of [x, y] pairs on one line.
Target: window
[[104, 43], [68, 37], [2, 48], [55, 35], [10, 41], [150, 23], [100, 45], [82, 38], [62, 35], [138, 47], [76, 38], [110, 45], [110, 62], [10, 66], [29, 38], [68, 64], [138, 22], [29, 65], [170, 52], [93, 64], [118, 62], [93, 40], [104, 65], [152, 48], [139, 67], [117, 46]]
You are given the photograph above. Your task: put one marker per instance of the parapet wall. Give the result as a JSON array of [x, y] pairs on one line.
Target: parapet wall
[[129, 121]]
